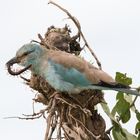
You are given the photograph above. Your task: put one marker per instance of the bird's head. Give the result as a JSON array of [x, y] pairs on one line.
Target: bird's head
[[26, 56]]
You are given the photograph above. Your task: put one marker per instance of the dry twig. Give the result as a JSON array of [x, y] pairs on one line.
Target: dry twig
[[76, 22]]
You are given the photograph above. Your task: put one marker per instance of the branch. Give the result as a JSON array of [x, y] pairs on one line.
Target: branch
[[76, 22], [94, 136], [119, 119], [49, 119], [25, 118]]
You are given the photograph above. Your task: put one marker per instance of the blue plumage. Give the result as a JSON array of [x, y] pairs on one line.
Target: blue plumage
[[66, 72], [65, 79]]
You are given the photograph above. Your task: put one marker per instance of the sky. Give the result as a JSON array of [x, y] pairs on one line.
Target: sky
[[111, 27]]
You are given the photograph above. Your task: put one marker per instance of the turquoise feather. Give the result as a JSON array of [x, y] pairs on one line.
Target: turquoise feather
[[65, 79], [66, 72]]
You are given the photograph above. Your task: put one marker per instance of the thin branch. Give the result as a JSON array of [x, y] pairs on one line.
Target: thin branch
[[108, 130], [24, 118], [53, 126], [96, 137], [84, 110], [49, 118], [45, 44], [38, 113], [133, 103], [76, 22], [59, 125], [64, 101], [33, 104], [66, 135], [36, 42], [25, 79]]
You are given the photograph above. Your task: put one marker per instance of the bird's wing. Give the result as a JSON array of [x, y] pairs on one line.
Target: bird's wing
[[60, 74], [77, 70], [72, 74]]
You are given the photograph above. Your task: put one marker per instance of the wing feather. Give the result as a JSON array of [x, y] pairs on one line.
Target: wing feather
[[70, 62]]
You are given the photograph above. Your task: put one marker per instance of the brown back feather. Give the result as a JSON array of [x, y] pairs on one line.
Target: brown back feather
[[71, 61]]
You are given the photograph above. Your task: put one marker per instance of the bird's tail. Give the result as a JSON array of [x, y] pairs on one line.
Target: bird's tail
[[124, 90], [128, 91]]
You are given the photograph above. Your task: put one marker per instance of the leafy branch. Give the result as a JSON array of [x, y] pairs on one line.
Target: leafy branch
[[122, 108]]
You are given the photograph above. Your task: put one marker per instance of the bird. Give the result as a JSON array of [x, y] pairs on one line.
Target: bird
[[65, 72]]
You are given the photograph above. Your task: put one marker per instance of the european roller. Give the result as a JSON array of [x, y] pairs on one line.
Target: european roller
[[65, 72]]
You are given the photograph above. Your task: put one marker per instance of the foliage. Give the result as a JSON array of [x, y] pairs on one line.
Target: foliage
[[121, 112]]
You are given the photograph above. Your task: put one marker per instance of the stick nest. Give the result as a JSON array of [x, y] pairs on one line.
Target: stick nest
[[72, 117]]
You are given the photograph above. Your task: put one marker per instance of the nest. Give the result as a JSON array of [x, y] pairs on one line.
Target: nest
[[74, 117]]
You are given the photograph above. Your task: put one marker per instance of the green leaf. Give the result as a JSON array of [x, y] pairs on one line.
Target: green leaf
[[122, 78], [129, 99], [126, 117], [137, 115], [117, 134], [139, 137], [119, 96], [123, 109], [120, 133], [128, 135], [137, 128], [113, 112], [107, 111]]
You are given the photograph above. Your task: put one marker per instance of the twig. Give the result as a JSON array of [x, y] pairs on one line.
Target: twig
[[95, 137], [26, 118], [84, 110], [76, 22], [33, 104], [89, 100], [53, 126], [49, 118], [133, 103], [66, 102], [45, 44], [59, 128], [30, 117], [108, 130], [35, 114], [72, 133], [27, 80], [66, 135], [36, 42]]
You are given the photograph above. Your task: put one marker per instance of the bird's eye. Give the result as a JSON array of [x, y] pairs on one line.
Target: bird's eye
[[26, 53]]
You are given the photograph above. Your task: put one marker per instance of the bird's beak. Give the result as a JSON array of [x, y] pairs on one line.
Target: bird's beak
[[13, 61]]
